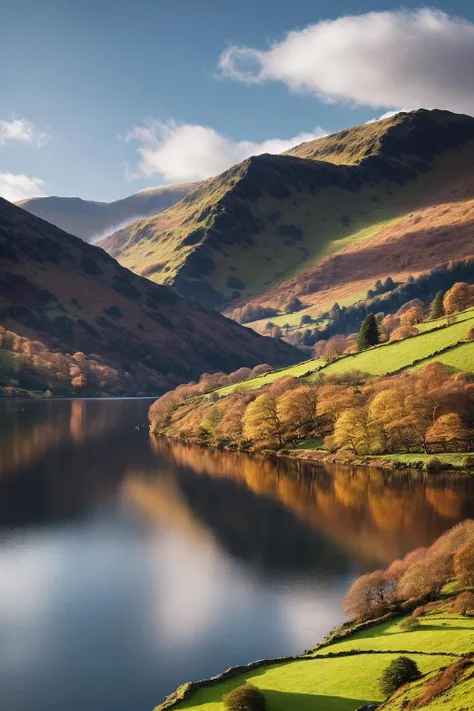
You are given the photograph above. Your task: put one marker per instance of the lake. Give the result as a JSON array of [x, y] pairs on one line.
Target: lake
[[129, 565]]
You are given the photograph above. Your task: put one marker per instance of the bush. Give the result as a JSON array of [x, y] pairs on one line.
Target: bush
[[400, 671], [244, 698], [464, 602], [468, 461], [410, 624], [435, 464]]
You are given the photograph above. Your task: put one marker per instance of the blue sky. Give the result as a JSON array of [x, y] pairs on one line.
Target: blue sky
[[101, 99]]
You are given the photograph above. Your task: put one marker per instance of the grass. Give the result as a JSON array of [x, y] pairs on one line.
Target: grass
[[256, 383], [387, 357], [461, 357], [454, 459], [312, 443], [346, 682]]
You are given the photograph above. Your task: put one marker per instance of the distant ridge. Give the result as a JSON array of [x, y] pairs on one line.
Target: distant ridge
[[93, 220]]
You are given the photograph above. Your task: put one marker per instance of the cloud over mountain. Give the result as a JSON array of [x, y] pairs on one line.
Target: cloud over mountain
[[182, 152], [15, 187], [380, 59]]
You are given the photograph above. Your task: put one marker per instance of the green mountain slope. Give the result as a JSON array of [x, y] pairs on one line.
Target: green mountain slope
[[93, 220], [272, 218], [74, 297]]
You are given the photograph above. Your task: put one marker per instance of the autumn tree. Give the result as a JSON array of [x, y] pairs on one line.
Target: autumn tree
[[297, 410], [352, 430], [261, 420], [464, 564], [448, 430], [369, 596], [437, 307], [369, 333], [244, 698], [458, 298]]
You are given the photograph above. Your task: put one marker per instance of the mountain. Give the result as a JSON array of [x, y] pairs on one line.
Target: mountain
[[94, 220], [392, 197], [73, 297]]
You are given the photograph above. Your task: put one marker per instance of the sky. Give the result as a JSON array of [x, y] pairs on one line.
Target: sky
[[100, 99]]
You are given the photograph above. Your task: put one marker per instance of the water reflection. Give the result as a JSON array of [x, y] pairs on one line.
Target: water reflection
[[129, 564]]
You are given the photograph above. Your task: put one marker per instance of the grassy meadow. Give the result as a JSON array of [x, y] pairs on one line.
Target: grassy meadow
[[387, 357], [346, 682]]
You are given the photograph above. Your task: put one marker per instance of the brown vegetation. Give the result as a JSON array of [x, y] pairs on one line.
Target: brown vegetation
[[420, 575], [429, 410]]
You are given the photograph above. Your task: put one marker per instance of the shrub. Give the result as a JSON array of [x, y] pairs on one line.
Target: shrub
[[434, 464], [244, 698], [410, 624], [464, 602], [400, 671], [468, 461]]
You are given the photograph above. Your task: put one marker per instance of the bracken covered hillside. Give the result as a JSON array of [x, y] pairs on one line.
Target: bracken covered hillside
[[72, 297], [390, 197]]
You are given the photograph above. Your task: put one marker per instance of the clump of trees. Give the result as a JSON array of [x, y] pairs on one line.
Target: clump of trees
[[400, 671], [252, 312], [31, 366], [245, 698], [430, 410], [418, 577]]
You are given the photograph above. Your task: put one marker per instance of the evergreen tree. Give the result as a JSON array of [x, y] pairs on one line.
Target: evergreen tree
[[437, 308], [368, 334]]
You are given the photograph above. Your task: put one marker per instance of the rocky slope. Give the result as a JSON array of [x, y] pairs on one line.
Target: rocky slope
[[271, 218], [72, 297], [94, 220]]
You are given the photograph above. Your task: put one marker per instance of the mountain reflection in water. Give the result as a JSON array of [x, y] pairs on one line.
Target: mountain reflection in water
[[129, 564]]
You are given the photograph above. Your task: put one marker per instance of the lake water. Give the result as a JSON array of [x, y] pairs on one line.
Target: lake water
[[129, 565]]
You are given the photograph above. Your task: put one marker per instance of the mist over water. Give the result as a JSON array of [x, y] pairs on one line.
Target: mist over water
[[130, 564]]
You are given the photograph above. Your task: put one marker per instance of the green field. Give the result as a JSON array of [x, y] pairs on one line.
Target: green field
[[460, 357], [455, 459], [255, 383], [343, 683], [387, 357]]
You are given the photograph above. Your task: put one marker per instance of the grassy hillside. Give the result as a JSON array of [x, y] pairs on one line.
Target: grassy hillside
[[388, 357], [350, 678], [71, 296], [326, 219], [94, 220]]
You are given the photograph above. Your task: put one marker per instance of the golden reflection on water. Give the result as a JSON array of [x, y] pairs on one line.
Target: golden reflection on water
[[375, 516]]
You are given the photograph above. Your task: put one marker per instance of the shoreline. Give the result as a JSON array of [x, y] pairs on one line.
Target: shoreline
[[321, 457]]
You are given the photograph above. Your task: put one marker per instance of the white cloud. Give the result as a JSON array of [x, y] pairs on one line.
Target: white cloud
[[19, 187], [23, 131], [414, 59], [181, 152]]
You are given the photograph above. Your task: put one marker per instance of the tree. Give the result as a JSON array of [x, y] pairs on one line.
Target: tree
[[464, 564], [244, 698], [297, 410], [369, 595], [400, 671], [458, 298], [368, 334], [352, 430], [261, 420], [448, 429], [306, 318], [293, 304], [7, 366], [437, 308]]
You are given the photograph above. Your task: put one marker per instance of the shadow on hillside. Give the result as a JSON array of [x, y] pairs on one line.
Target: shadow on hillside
[[289, 701]]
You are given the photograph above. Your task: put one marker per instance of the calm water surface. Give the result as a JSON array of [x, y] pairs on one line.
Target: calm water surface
[[128, 565]]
